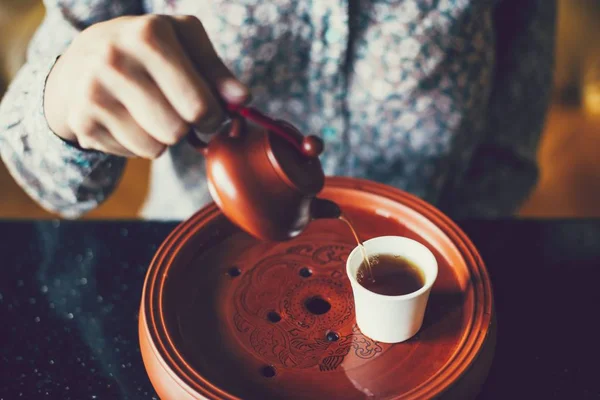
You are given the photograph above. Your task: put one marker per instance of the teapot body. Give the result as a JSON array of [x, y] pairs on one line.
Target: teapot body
[[252, 188]]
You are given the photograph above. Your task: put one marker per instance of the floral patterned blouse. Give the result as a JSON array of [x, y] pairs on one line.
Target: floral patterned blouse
[[445, 99]]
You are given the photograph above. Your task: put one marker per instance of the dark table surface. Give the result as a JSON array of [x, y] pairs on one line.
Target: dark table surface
[[70, 292]]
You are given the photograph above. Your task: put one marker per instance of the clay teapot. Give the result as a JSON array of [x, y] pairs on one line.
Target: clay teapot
[[265, 175]]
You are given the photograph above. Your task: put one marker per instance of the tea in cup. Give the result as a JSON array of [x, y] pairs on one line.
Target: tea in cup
[[392, 289]]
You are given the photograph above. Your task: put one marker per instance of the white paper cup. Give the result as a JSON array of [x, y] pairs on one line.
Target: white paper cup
[[392, 319]]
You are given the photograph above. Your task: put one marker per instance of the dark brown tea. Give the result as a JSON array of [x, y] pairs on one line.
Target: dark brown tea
[[390, 275]]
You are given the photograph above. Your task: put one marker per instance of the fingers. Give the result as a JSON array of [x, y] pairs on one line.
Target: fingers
[[197, 44], [156, 46], [107, 144], [134, 84], [99, 139], [101, 123], [128, 133], [128, 82], [93, 136]]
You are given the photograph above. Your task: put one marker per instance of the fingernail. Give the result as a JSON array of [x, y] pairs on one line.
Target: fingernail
[[234, 90]]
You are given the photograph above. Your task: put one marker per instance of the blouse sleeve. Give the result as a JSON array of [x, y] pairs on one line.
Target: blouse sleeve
[[447, 100], [62, 178], [504, 168]]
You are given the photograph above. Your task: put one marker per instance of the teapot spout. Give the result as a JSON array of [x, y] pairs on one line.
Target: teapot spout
[[322, 208]]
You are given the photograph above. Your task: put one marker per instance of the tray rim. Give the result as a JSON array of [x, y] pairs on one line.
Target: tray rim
[[161, 344]]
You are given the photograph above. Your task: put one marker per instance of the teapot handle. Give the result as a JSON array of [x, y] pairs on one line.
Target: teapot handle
[[310, 146]]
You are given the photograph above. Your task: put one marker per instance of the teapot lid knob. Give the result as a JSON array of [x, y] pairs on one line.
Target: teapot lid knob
[[312, 146]]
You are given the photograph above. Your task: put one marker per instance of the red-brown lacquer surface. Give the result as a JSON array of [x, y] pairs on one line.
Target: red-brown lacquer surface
[[226, 316]]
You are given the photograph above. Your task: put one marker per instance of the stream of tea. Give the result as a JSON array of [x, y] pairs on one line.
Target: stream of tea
[[366, 259]]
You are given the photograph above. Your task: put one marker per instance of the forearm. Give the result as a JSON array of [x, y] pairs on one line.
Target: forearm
[[61, 177], [504, 169]]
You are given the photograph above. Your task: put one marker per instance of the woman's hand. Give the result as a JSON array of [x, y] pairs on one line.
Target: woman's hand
[[134, 85]]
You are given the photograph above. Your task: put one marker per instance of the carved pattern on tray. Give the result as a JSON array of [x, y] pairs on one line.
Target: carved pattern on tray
[[299, 339]]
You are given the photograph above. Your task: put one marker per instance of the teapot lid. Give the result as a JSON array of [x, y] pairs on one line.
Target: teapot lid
[[294, 157], [298, 169]]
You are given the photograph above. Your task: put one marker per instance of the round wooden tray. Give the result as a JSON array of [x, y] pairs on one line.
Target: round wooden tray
[[224, 316]]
